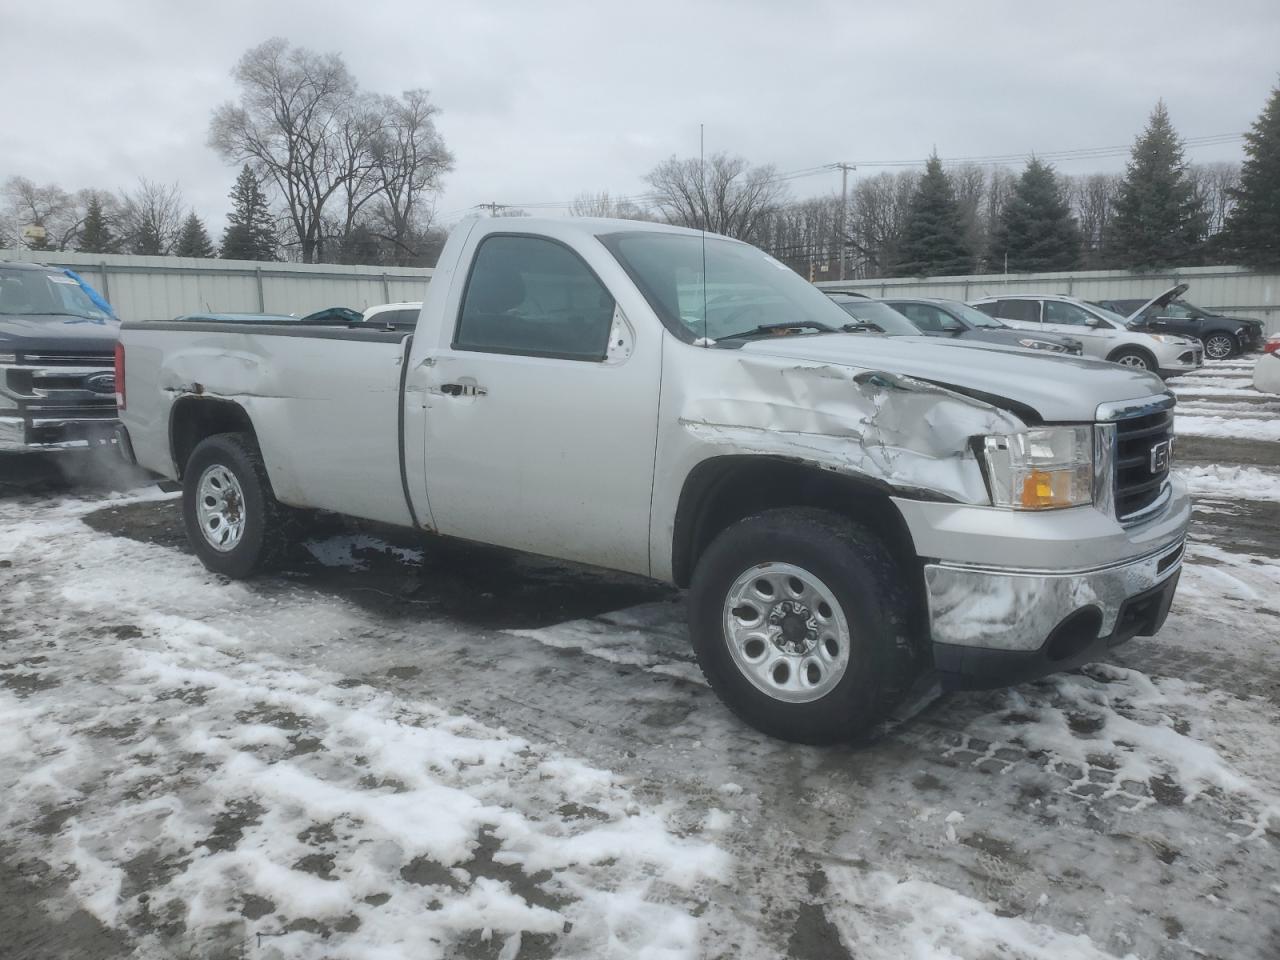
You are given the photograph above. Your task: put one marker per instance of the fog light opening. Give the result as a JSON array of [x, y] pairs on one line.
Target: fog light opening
[[1074, 634]]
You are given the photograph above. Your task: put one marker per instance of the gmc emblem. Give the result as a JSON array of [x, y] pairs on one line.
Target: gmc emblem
[[1160, 455]]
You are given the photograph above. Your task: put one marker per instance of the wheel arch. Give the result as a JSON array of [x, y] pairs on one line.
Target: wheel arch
[[722, 490], [1147, 354], [193, 419]]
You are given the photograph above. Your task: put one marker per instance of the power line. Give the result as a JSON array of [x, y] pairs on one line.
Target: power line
[[1076, 153]]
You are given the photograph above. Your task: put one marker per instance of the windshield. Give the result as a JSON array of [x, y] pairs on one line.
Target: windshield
[[745, 288], [882, 315], [1115, 318], [41, 293], [971, 316]]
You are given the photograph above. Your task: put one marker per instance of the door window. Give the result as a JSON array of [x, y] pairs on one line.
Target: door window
[[533, 296], [927, 318], [1026, 311], [1056, 311]]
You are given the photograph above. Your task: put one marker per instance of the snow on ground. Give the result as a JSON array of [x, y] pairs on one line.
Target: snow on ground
[[1234, 427], [251, 788], [267, 769], [1231, 482]]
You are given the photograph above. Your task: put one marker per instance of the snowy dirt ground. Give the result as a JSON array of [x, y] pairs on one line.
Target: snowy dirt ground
[[386, 751]]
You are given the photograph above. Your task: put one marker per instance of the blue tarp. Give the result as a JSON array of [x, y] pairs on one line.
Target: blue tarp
[[93, 295]]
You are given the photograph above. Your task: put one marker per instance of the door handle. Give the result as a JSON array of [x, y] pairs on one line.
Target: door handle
[[462, 390]]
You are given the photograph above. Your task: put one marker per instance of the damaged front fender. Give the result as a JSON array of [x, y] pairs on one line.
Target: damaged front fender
[[908, 434]]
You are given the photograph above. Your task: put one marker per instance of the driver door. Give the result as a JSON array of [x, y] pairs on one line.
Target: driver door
[[542, 412]]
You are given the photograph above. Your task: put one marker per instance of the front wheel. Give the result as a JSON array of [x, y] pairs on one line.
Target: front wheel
[[1132, 358], [234, 523], [800, 619], [1219, 346]]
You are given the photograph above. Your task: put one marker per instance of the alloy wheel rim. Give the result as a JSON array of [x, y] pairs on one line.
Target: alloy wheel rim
[[1132, 360], [1217, 348], [786, 632], [220, 508]]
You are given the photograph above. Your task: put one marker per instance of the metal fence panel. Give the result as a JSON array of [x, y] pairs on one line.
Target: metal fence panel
[[160, 288]]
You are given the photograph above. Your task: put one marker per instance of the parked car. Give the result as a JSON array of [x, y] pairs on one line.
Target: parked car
[[1266, 375], [871, 316], [394, 315], [1222, 336], [1104, 334], [951, 318], [57, 374], [849, 513]]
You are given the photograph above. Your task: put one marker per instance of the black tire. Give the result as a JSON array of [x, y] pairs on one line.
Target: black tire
[[873, 593], [1135, 357], [264, 539], [1221, 342]]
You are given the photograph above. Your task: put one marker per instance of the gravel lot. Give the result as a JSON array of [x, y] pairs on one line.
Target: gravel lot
[[395, 751]]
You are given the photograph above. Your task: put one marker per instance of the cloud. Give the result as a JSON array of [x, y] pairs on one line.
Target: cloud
[[543, 101]]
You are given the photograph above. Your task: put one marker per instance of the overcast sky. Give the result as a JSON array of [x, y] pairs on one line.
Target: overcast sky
[[541, 101]]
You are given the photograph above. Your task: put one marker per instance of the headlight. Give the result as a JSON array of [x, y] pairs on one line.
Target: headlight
[[1165, 338], [1042, 345], [1041, 469]]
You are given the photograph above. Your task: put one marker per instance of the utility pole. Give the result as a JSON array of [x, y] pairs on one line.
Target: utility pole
[[492, 207], [844, 169]]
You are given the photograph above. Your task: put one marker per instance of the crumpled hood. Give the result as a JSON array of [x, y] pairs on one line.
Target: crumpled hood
[[1060, 389], [56, 333]]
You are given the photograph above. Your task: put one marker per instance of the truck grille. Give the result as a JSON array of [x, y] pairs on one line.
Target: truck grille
[[57, 396], [1143, 456]]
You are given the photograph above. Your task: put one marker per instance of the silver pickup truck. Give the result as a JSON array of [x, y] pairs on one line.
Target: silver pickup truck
[[848, 513]]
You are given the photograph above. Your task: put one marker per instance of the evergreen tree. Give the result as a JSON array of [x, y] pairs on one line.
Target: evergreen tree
[[250, 233], [1036, 231], [933, 239], [1253, 228], [1159, 220], [194, 240], [95, 235]]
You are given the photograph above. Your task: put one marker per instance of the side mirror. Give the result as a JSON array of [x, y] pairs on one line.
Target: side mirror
[[952, 329]]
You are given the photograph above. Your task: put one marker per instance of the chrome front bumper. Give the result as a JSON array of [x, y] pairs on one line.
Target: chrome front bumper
[[1007, 609], [16, 436]]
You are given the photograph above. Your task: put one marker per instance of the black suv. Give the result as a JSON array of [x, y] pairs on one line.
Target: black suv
[[1222, 336], [57, 360]]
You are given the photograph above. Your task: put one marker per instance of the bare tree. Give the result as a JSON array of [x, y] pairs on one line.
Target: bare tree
[[1092, 198], [876, 219], [293, 124], [602, 205], [970, 182], [724, 195], [409, 162], [1213, 185], [149, 218], [59, 213]]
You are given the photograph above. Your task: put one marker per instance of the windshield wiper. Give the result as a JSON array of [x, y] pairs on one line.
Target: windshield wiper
[[767, 328], [862, 326]]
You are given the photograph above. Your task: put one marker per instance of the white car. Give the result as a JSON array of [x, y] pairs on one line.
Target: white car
[[1266, 375], [1104, 334], [393, 315]]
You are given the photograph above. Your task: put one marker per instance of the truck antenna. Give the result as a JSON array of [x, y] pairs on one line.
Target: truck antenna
[[702, 191]]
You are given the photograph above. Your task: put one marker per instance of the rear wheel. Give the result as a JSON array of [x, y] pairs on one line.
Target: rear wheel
[[800, 621], [234, 523], [1132, 357], [1219, 346]]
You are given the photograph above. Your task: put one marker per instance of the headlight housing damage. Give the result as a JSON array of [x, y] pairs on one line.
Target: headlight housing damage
[[1045, 468]]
